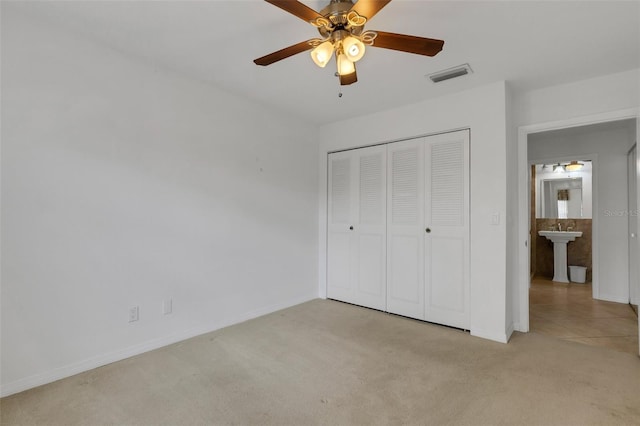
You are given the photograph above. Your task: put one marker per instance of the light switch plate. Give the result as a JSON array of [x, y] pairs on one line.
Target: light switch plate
[[134, 314]]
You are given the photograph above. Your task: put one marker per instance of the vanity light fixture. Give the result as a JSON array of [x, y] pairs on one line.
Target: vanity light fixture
[[574, 166], [558, 168]]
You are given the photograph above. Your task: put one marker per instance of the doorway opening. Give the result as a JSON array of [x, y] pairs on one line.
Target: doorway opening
[[595, 311], [562, 202]]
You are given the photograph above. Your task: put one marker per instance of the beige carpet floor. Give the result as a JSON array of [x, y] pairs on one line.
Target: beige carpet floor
[[325, 362]]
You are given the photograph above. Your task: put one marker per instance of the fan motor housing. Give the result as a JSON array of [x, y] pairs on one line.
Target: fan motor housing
[[337, 8], [336, 13]]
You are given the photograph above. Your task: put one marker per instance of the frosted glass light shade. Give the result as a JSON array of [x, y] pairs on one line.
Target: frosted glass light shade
[[353, 48], [345, 66], [321, 55]]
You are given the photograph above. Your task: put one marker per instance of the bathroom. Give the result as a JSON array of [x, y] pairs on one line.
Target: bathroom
[[583, 179], [561, 200], [604, 248]]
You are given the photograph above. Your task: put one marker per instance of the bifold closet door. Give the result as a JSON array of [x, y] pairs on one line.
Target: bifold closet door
[[446, 243], [405, 228], [356, 246], [428, 228]]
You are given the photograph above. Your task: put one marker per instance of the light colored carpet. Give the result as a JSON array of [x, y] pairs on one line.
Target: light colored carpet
[[325, 362]]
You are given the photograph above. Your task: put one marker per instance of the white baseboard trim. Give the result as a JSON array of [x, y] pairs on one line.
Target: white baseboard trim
[[496, 337], [609, 298], [40, 379]]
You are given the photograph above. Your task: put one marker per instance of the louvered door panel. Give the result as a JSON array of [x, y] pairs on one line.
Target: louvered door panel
[[341, 215], [372, 202], [405, 163], [370, 230], [340, 184], [447, 183], [405, 278], [446, 246]]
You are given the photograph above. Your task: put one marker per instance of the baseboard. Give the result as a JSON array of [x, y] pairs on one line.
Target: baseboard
[[101, 360], [496, 337], [609, 298]]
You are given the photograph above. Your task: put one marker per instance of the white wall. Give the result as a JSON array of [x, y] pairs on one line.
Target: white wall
[[578, 99], [483, 111], [124, 185], [610, 143], [566, 105]]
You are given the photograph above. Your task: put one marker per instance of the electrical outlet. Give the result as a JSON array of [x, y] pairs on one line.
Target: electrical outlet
[[134, 314], [167, 307]]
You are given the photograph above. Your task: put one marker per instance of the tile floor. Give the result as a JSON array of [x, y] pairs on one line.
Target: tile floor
[[568, 312]]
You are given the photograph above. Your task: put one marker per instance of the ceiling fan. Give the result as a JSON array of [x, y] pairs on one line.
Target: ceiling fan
[[341, 27]]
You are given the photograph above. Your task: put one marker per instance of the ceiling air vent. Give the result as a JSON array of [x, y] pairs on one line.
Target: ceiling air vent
[[450, 73]]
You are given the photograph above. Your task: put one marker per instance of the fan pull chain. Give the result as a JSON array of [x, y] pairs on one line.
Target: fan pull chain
[[339, 86]]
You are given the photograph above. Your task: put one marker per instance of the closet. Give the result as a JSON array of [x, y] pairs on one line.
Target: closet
[[398, 231]]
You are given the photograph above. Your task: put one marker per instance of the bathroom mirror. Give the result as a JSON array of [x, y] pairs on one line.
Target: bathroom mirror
[[560, 193], [561, 198]]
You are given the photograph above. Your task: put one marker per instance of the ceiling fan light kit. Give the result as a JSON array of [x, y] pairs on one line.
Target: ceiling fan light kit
[[341, 27], [321, 55], [345, 66], [353, 48]]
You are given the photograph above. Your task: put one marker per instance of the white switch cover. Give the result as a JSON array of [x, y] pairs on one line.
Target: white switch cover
[[495, 218], [134, 314]]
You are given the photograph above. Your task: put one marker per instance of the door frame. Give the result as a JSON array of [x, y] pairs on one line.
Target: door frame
[[522, 324], [633, 160]]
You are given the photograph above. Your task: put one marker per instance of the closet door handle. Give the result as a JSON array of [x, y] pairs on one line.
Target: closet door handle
[[428, 230], [351, 227]]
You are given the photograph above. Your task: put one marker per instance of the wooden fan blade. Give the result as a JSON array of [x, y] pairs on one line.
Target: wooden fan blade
[[368, 8], [348, 79], [283, 53], [296, 8], [407, 43]]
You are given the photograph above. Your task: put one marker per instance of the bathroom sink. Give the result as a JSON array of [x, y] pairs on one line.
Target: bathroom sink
[[560, 236], [560, 240]]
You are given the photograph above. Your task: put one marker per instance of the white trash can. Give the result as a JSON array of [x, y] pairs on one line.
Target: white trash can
[[578, 274]]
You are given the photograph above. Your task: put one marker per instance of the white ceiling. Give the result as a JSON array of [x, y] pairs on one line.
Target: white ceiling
[[530, 44]]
